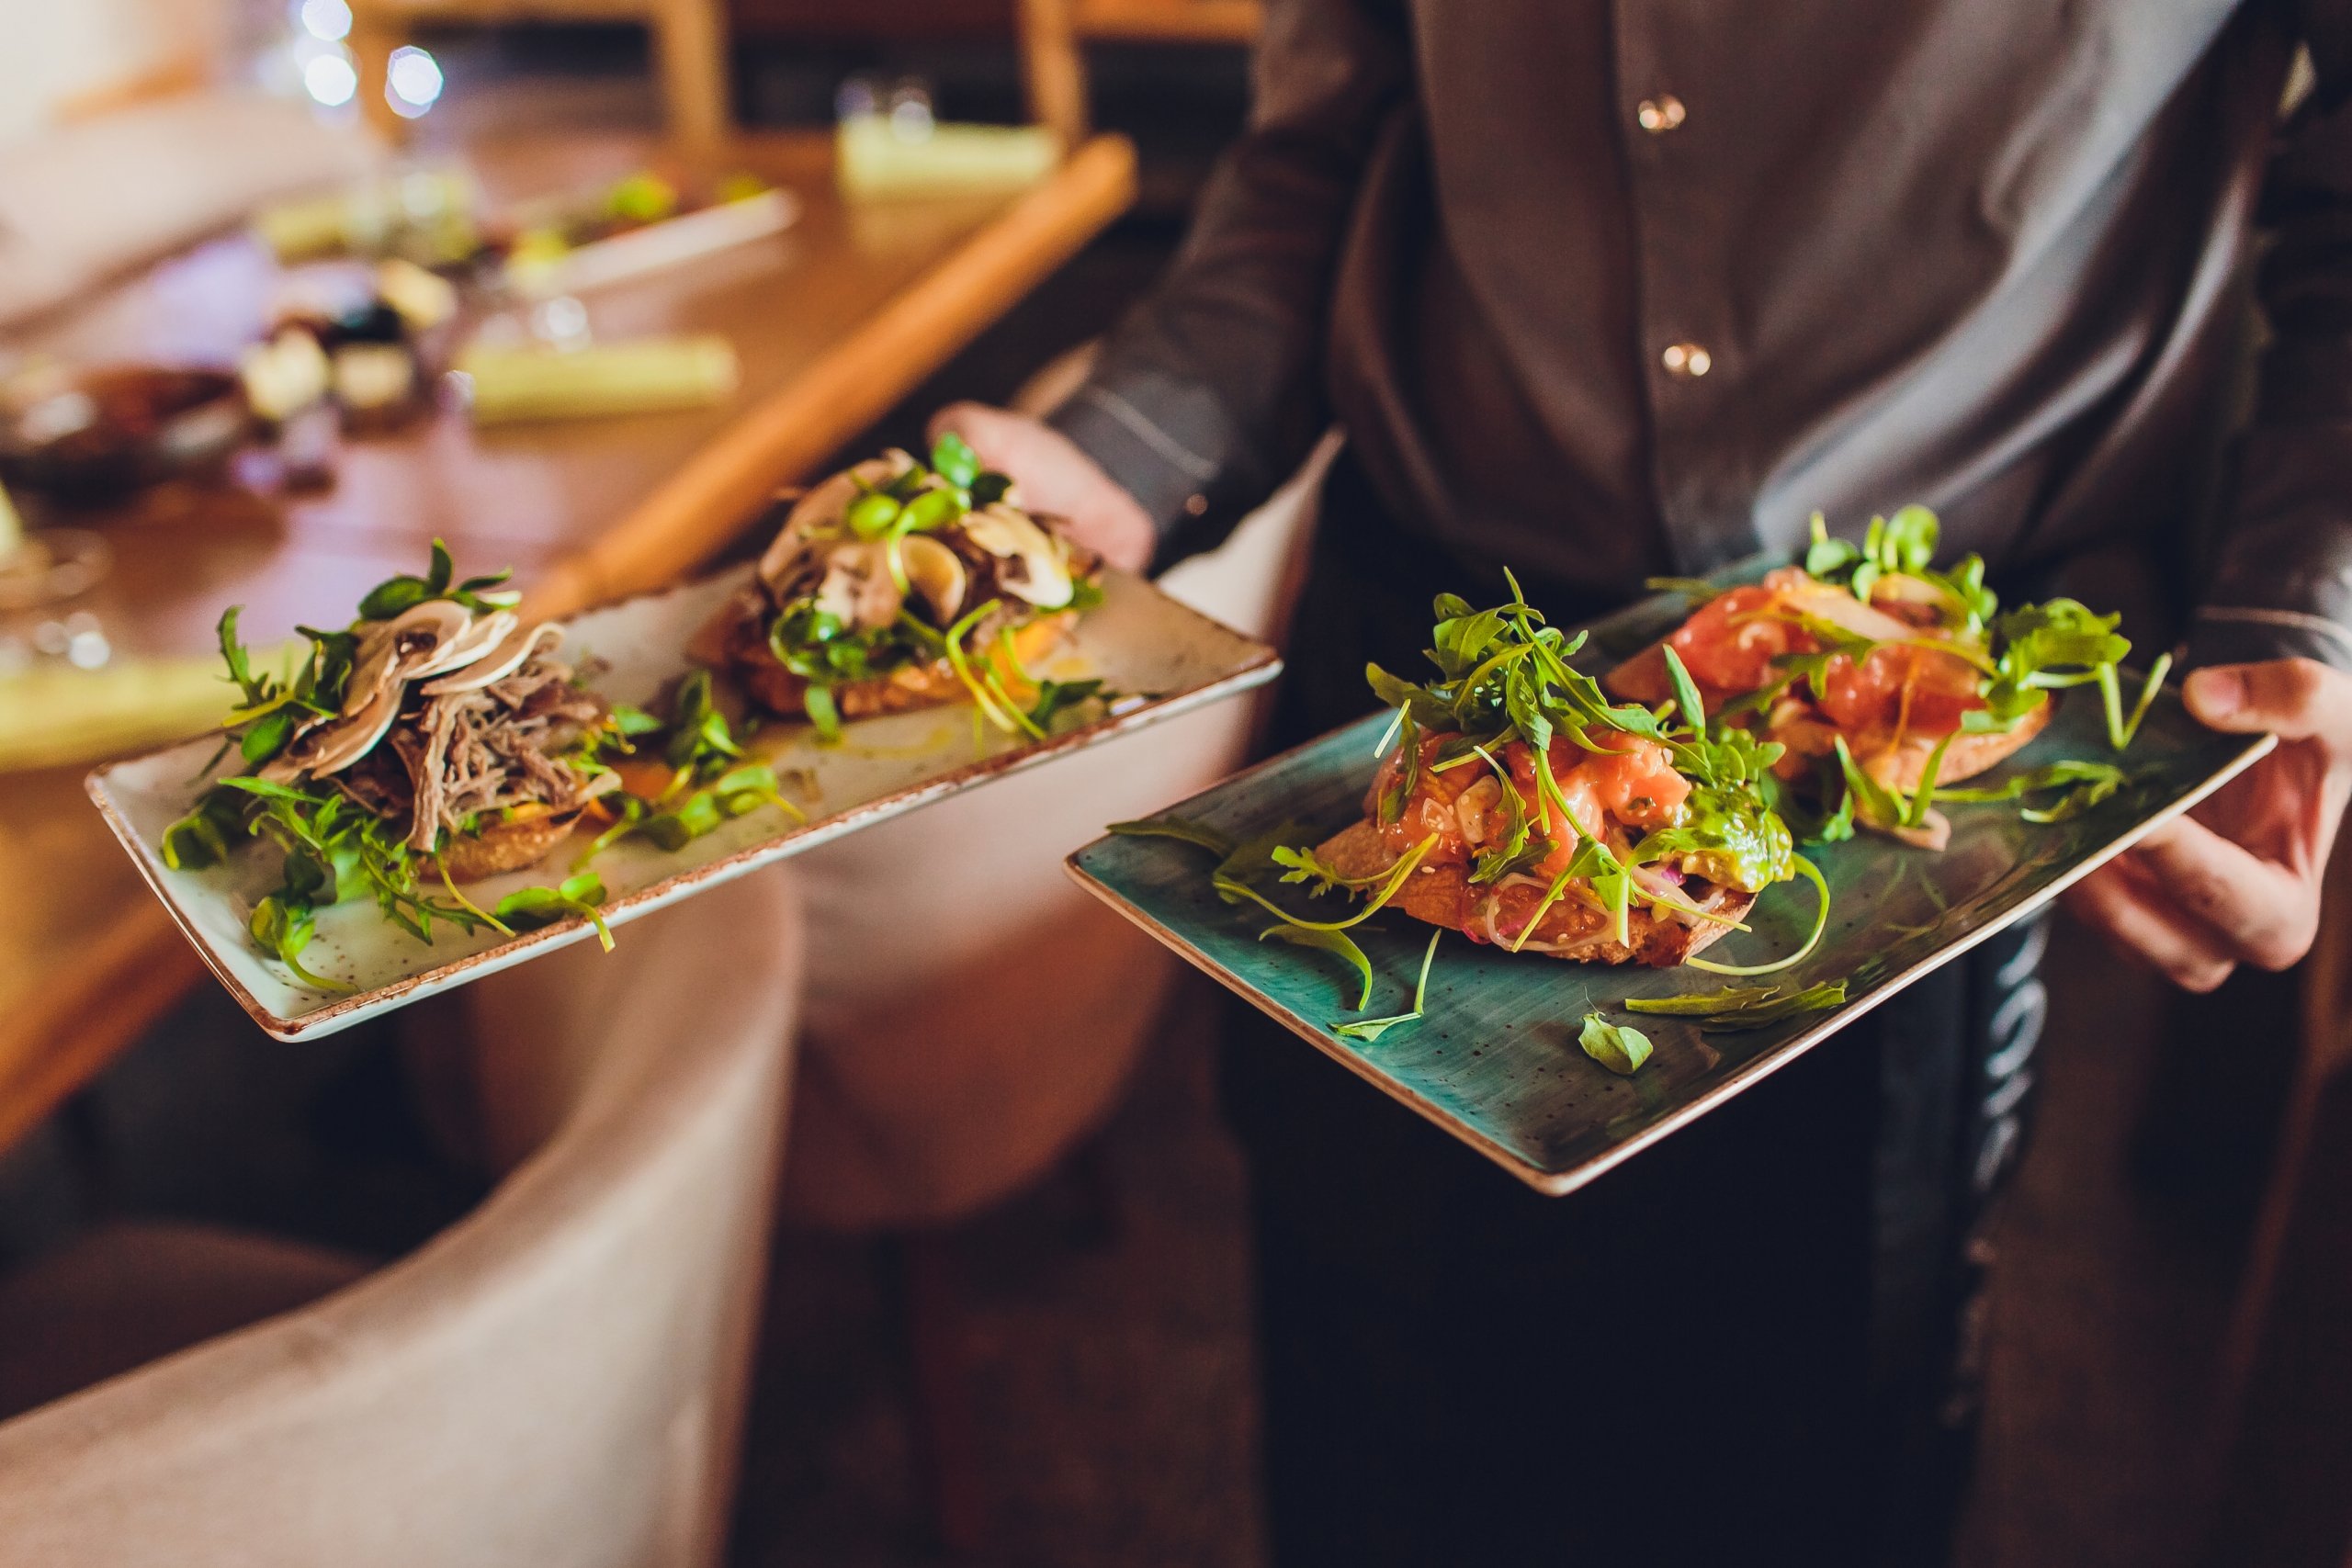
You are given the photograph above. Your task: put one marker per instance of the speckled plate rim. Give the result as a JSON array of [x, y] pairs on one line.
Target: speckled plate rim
[[1262, 664], [1556, 1183]]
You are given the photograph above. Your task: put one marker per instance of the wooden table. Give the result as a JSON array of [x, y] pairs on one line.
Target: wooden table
[[834, 321]]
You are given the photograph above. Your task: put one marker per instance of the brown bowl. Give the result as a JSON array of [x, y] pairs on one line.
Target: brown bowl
[[98, 436]]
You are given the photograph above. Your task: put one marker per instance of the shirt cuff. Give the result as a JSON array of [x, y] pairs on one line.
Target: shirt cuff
[[2250, 634], [1169, 445]]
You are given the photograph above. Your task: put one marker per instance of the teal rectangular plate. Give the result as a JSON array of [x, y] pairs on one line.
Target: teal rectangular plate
[[1495, 1060]]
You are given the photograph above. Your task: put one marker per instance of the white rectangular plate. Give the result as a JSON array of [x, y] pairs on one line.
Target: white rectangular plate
[[1139, 641]]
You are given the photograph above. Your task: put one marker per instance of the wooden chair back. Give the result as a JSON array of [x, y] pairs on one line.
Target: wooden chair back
[[1054, 33], [689, 39]]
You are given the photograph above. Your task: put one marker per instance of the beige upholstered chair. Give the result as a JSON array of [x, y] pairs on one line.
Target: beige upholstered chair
[[558, 1381], [971, 1013]]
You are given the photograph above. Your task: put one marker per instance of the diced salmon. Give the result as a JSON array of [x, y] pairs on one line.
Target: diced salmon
[[1920, 691], [1729, 644]]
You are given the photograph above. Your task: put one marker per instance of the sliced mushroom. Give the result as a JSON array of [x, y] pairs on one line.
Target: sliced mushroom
[[817, 515], [484, 633], [336, 744], [1033, 567], [934, 573], [856, 588], [411, 640], [511, 653]]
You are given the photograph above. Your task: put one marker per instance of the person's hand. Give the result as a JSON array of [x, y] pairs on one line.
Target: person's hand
[[2238, 880], [1055, 477]]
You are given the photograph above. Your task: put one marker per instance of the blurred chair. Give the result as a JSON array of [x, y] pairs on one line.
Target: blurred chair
[[558, 1381], [1054, 34], [688, 39]]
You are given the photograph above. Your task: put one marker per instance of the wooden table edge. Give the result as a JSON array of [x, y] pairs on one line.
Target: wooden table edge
[[784, 435]]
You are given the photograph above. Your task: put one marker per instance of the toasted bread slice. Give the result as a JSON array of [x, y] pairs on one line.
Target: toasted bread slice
[[1644, 679], [1902, 767], [506, 846], [932, 684], [1572, 928]]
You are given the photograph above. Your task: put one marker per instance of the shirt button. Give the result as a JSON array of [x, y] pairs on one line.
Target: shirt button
[[1659, 115], [1686, 359]]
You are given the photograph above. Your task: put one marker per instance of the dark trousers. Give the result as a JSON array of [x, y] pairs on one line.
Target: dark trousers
[[1751, 1343]]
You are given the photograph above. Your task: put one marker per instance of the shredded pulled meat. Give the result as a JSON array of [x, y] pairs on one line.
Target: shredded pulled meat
[[451, 757]]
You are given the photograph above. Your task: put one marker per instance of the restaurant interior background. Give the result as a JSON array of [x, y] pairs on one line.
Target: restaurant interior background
[[1028, 1344]]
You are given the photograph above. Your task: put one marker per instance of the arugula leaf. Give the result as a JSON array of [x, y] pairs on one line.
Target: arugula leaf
[[1698, 590], [2080, 786], [1056, 698], [1386, 889], [1742, 1007], [1182, 829], [953, 459], [267, 788], [1337, 942], [2046, 647], [528, 908], [700, 737], [1827, 558], [1521, 846], [711, 780], [2119, 729], [1256, 855], [285, 929], [817, 702], [392, 596], [1618, 1047], [1408, 769], [1908, 542], [1811, 874], [1914, 814], [1878, 805], [1371, 1029], [327, 671], [257, 689], [201, 838], [266, 736], [1686, 692]]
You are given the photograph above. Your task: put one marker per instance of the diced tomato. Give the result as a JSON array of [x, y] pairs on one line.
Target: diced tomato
[[1634, 784], [1919, 690], [1861, 699], [1729, 644], [1637, 785], [1429, 811]]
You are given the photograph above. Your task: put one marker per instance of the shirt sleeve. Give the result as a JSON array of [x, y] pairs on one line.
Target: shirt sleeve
[[1209, 393], [2281, 584]]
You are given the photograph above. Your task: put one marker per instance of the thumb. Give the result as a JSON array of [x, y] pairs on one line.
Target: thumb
[[2291, 698]]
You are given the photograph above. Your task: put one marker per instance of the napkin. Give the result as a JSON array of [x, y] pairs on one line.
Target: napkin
[[53, 715], [534, 381], [877, 157]]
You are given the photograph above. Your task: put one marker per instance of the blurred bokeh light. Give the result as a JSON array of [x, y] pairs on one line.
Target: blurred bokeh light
[[411, 81]]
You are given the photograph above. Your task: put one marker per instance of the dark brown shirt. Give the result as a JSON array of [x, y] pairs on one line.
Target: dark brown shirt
[[1608, 289]]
